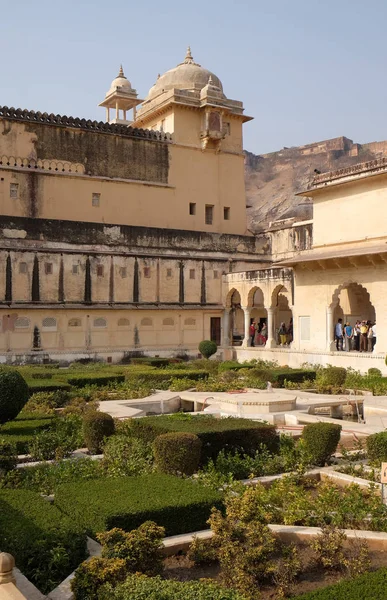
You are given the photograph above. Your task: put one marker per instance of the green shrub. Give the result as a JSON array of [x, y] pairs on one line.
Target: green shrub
[[376, 445], [207, 348], [294, 375], [96, 427], [8, 456], [45, 477], [179, 385], [95, 379], [124, 455], [139, 548], [321, 441], [234, 365], [46, 385], [374, 372], [13, 394], [334, 376], [371, 586], [229, 433], [177, 453], [154, 361], [140, 587], [59, 441], [156, 378], [91, 575], [42, 375], [179, 505], [23, 430], [46, 544]]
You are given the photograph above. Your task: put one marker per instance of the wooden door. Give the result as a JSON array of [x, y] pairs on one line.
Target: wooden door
[[215, 328]]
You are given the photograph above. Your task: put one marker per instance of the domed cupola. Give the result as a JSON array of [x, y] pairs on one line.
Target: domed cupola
[[188, 75], [120, 97]]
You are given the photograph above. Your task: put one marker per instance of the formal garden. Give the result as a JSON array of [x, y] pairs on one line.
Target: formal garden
[[69, 473]]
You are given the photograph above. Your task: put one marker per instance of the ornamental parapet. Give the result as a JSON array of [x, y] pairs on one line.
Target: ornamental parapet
[[30, 116], [60, 166], [367, 168]]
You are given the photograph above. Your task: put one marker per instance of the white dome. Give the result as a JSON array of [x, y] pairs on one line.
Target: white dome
[[120, 82], [188, 75]]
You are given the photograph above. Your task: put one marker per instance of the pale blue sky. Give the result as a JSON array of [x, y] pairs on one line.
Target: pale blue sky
[[306, 70]]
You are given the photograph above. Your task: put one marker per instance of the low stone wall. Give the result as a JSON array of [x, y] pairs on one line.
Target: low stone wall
[[296, 358]]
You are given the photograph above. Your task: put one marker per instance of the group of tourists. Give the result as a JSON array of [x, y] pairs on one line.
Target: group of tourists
[[360, 337], [258, 334]]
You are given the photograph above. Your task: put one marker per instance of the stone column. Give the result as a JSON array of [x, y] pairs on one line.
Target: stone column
[[330, 337], [226, 328], [271, 343], [247, 312]]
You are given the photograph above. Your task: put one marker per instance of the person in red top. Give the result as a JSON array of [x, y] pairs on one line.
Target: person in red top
[[252, 333]]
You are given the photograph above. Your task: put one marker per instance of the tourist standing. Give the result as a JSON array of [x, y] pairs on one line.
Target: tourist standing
[[290, 331], [348, 336], [264, 334], [374, 337], [282, 334], [356, 336], [252, 333], [363, 336], [370, 336], [339, 335]]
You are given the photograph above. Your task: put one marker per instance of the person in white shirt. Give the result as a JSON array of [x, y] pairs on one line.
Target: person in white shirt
[[374, 336], [339, 335]]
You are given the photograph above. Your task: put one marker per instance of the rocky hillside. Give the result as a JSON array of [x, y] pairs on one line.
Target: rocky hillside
[[273, 180]]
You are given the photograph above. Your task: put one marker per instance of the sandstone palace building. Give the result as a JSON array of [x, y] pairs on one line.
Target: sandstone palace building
[[129, 235]]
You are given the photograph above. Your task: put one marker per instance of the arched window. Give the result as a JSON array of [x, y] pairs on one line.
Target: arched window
[[168, 322], [49, 324], [100, 323], [190, 321], [146, 322], [75, 322], [22, 323], [123, 322]]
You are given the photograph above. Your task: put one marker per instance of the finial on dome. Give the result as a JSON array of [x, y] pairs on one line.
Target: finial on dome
[[158, 75], [188, 57], [121, 72], [210, 80]]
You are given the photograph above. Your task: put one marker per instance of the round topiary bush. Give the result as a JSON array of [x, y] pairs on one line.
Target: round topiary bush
[[334, 376], [13, 394], [377, 447], [8, 456], [321, 441], [207, 348], [177, 453], [96, 427], [374, 372]]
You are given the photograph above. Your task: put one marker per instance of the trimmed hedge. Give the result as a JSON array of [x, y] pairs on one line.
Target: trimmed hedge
[[13, 394], [334, 376], [37, 534], [96, 427], [22, 430], [321, 441], [207, 348], [95, 379], [377, 447], [162, 377], [154, 361], [138, 587], [229, 433], [177, 452], [179, 505], [233, 365], [46, 385], [371, 586]]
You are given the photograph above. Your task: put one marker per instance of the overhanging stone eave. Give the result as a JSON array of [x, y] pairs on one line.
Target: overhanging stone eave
[[336, 256]]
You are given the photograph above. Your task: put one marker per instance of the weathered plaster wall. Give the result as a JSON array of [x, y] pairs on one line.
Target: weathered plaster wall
[[342, 213]]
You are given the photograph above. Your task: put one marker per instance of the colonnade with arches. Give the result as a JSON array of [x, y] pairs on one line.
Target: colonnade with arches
[[267, 301], [313, 304]]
